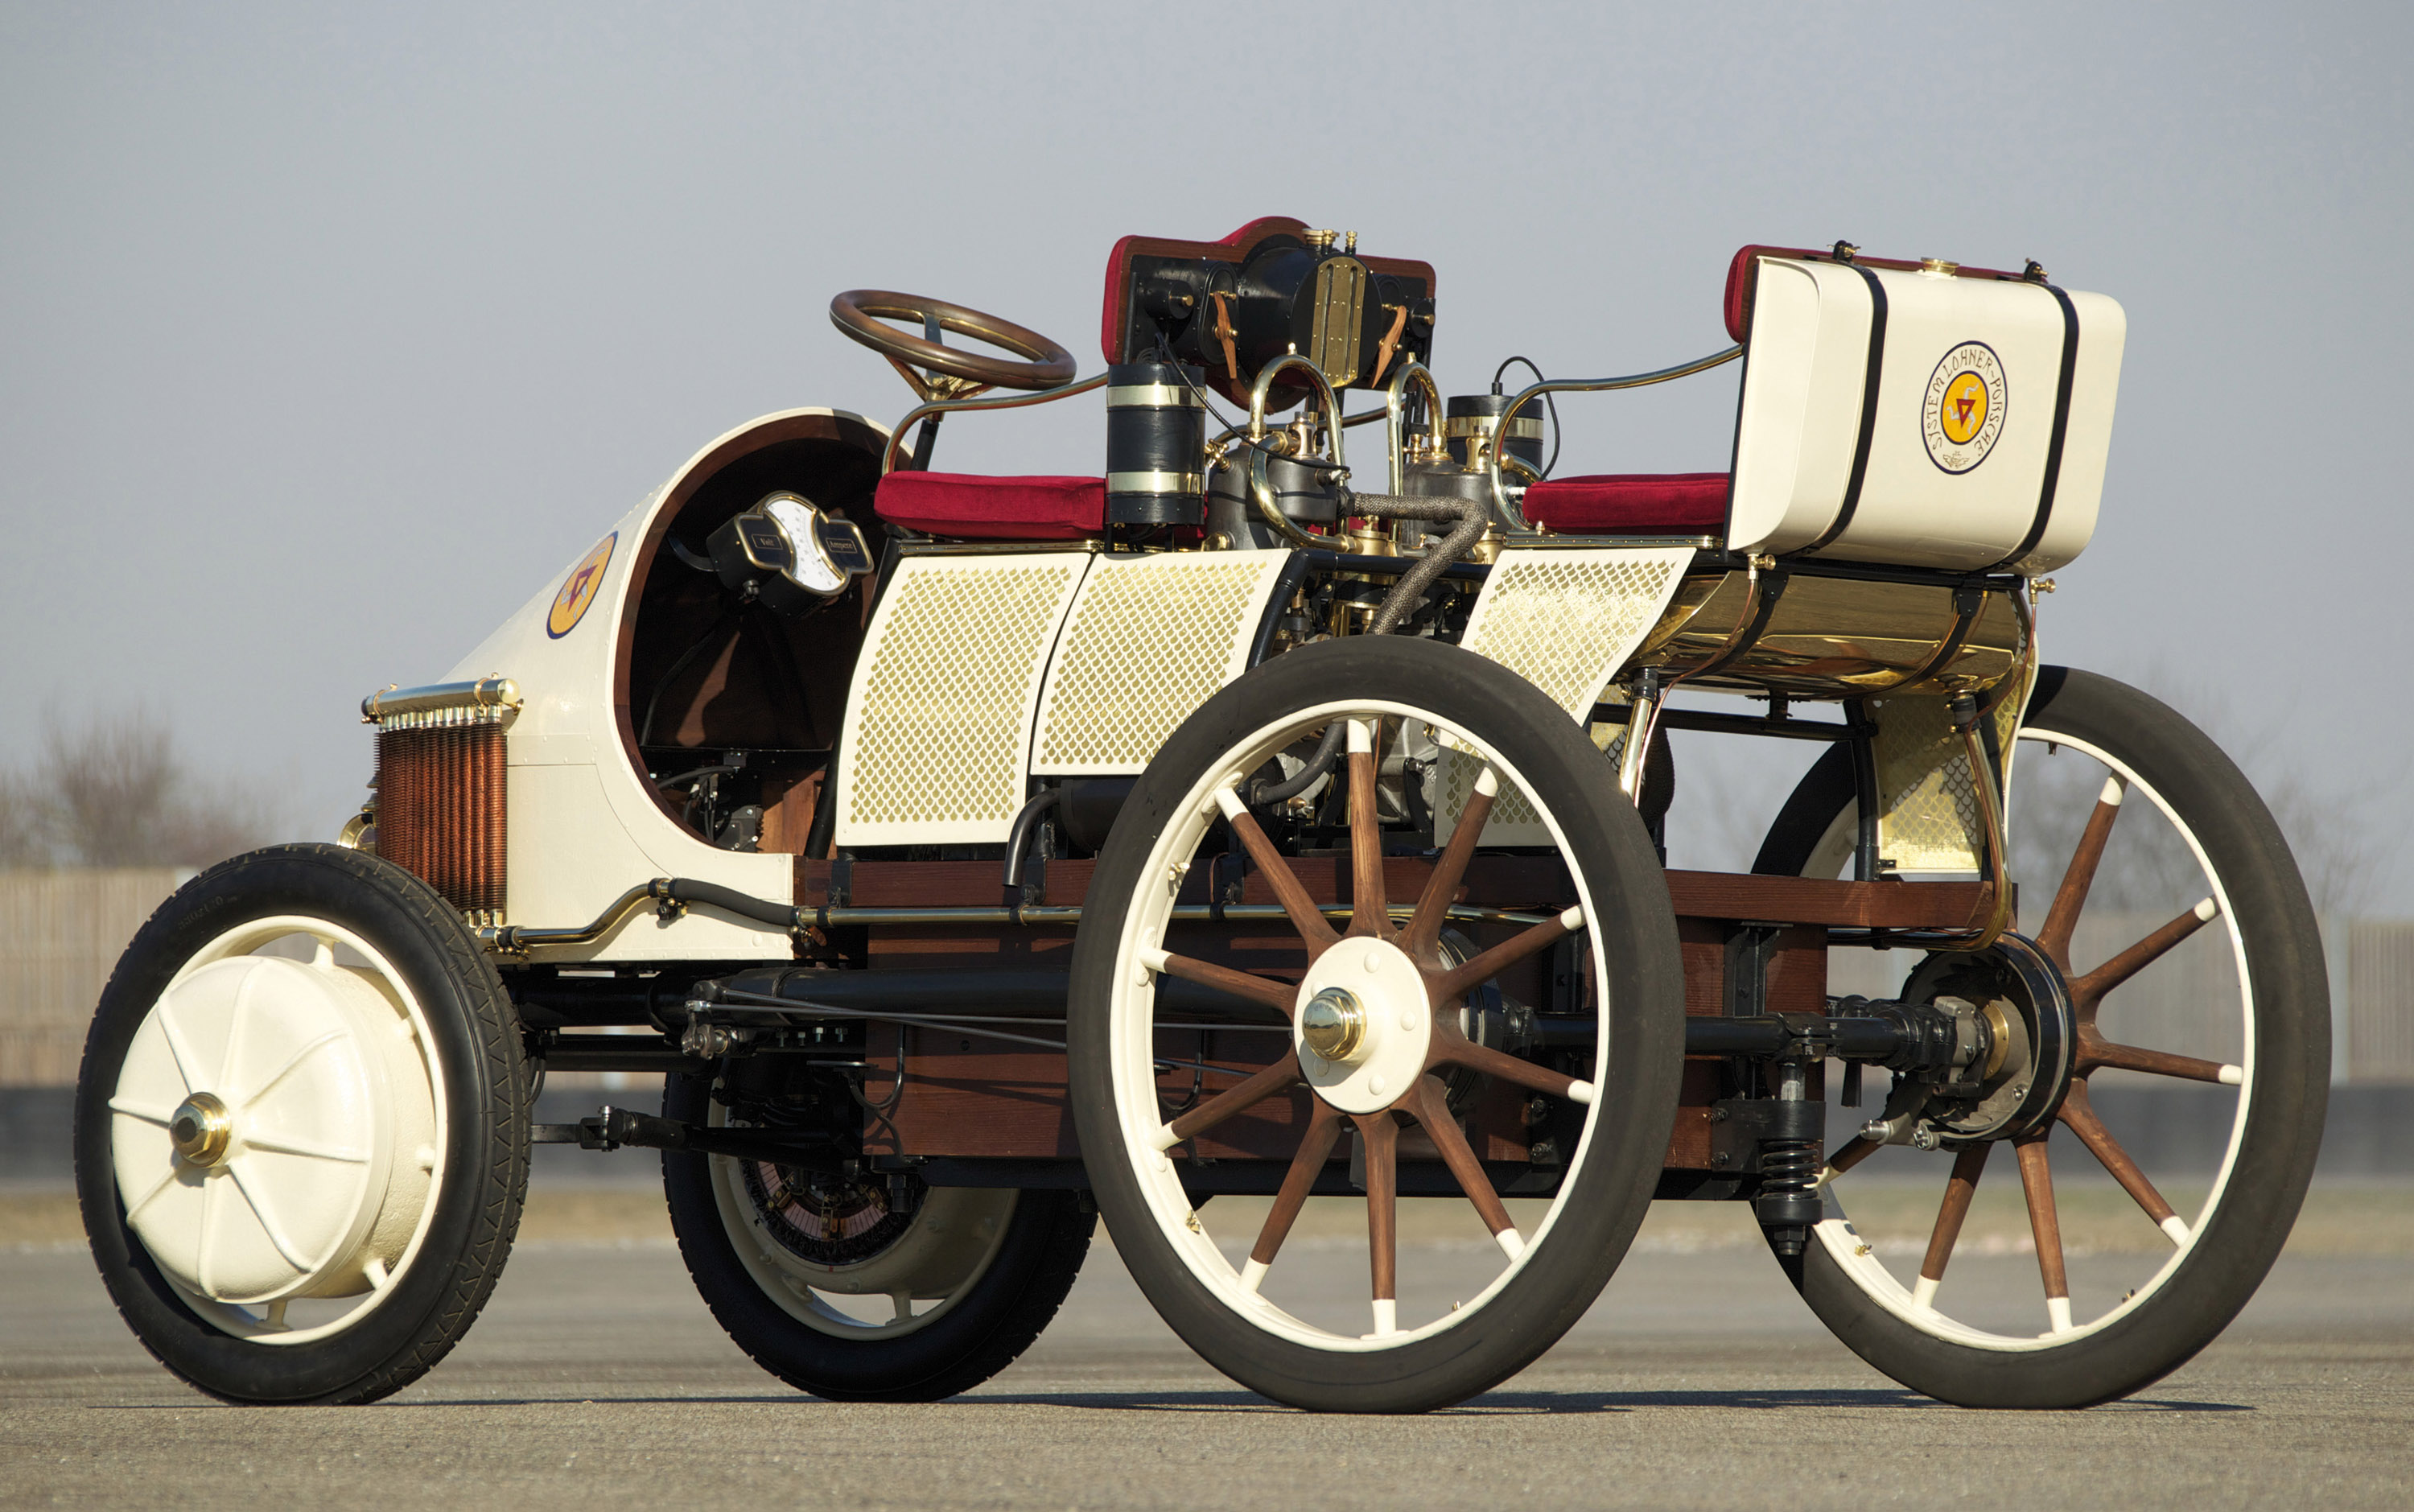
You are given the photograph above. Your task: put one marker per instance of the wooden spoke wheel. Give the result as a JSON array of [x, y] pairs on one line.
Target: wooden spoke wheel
[[859, 1290], [301, 1137], [1350, 1022], [2145, 854]]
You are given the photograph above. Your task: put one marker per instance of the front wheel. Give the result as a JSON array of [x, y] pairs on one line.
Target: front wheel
[[2148, 851], [1383, 1038], [301, 1139]]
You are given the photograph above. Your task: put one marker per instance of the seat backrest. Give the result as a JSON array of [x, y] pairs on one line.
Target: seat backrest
[[1920, 416]]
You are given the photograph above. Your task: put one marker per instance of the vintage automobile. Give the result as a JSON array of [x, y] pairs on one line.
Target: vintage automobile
[[977, 856]]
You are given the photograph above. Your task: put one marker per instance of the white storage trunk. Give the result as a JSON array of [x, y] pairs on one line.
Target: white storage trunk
[[1922, 419]]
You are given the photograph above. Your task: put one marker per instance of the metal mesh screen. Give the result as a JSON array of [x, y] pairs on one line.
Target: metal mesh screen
[[1928, 811], [1565, 620], [939, 722], [1148, 641]]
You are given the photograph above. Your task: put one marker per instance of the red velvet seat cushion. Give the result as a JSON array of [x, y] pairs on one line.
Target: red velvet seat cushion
[[994, 509], [1631, 504]]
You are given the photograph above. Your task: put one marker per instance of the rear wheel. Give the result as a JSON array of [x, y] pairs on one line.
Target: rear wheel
[[2167, 859], [1362, 1047], [301, 1136], [861, 1289]]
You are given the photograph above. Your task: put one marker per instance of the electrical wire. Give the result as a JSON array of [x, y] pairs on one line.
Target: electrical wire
[[1548, 404]]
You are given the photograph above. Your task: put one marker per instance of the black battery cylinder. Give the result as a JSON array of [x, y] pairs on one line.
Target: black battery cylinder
[[1478, 414], [1156, 445]]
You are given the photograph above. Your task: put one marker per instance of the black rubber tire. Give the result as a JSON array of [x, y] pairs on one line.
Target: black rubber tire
[[476, 1208], [1608, 1193], [985, 1330], [2237, 1244]]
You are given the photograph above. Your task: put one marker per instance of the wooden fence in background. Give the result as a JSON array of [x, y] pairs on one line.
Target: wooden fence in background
[[61, 933], [60, 936]]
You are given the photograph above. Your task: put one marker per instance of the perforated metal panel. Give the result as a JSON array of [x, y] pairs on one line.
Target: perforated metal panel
[[1928, 818], [1565, 620], [939, 720], [1149, 640]]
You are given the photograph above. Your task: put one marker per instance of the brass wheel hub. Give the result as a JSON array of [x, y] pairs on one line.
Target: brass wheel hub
[[1334, 1024], [201, 1128]]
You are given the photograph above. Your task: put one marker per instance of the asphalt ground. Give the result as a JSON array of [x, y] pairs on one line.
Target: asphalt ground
[[596, 1377]]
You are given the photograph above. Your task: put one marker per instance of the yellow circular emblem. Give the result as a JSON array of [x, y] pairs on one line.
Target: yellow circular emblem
[[1962, 413], [578, 589], [1965, 409]]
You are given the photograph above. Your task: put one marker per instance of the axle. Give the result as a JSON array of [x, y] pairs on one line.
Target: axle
[[1939, 1038]]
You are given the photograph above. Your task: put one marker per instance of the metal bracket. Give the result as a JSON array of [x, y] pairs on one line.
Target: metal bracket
[[1740, 1126], [1749, 952]]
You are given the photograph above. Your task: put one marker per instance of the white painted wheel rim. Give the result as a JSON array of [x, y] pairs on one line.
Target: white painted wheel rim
[[1189, 1234], [922, 1276], [336, 1113], [1859, 1260]]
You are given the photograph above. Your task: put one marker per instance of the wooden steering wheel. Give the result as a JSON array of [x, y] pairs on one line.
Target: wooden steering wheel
[[948, 372]]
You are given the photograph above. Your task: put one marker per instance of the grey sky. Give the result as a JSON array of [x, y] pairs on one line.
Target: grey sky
[[328, 333]]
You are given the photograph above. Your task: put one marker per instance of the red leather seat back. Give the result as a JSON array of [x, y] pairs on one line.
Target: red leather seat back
[[994, 509], [1631, 504]]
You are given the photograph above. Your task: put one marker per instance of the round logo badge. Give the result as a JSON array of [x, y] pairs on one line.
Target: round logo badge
[[578, 589], [1962, 412]]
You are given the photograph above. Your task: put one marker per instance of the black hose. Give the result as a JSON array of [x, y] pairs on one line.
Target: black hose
[[728, 900], [1326, 752], [1471, 516], [1018, 839]]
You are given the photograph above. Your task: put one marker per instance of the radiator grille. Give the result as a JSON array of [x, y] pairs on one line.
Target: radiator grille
[[440, 803]]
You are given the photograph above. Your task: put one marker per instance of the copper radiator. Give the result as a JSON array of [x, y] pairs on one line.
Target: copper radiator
[[440, 803]]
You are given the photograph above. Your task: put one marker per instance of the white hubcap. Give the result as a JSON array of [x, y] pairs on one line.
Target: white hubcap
[[1375, 989], [273, 1131]]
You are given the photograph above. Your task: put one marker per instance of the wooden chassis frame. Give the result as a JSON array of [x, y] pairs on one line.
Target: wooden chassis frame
[[971, 1111]]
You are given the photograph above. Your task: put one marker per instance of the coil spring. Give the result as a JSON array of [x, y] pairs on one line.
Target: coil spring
[[1789, 1165]]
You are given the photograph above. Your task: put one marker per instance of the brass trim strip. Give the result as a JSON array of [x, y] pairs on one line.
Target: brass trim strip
[[1481, 425], [1180, 483], [994, 548], [1545, 540], [1151, 397], [485, 693]]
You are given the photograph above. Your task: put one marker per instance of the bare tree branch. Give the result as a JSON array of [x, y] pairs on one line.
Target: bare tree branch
[[111, 791]]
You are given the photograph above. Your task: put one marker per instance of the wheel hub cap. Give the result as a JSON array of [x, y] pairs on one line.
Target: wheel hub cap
[[1364, 1001], [1334, 1024], [254, 1127], [201, 1128]]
